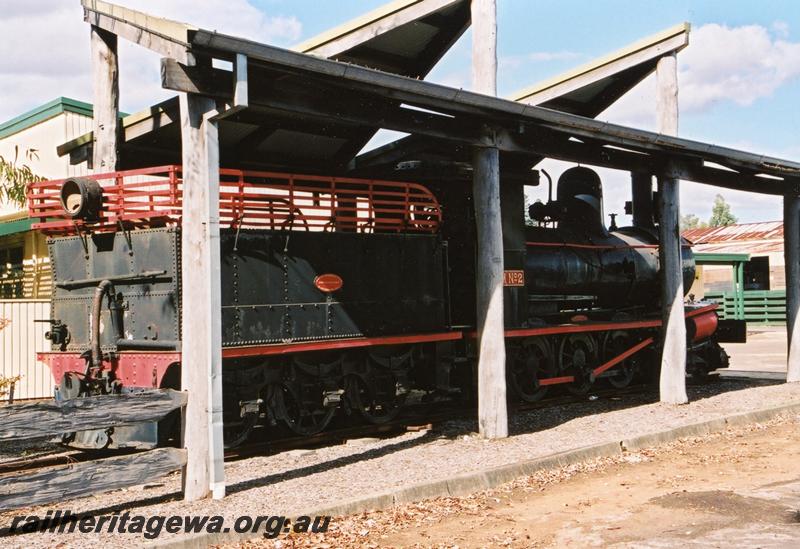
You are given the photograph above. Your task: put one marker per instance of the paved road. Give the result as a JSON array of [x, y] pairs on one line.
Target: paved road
[[765, 351]]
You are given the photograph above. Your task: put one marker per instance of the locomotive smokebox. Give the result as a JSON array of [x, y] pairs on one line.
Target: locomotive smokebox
[[617, 271], [580, 261]]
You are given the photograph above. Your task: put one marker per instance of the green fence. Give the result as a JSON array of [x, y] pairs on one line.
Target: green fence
[[757, 306]]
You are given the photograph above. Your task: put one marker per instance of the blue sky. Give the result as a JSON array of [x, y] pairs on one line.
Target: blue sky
[[740, 77]]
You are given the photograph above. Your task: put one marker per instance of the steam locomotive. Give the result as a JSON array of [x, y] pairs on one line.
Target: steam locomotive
[[346, 296]]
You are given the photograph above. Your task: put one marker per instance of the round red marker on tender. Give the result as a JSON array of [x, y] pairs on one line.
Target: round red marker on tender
[[328, 282]]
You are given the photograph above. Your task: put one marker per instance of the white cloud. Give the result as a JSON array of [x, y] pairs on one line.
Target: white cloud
[[722, 64], [781, 28], [510, 62], [44, 53], [237, 17]]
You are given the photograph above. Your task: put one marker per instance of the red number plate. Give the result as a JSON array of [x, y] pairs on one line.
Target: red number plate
[[513, 278]]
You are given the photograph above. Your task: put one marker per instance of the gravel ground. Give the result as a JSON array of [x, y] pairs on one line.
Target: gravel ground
[[303, 480], [502, 516]]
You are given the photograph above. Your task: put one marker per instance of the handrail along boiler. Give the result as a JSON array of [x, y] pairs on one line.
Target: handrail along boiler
[[343, 294]]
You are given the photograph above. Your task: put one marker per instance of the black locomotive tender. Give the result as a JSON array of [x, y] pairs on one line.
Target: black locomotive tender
[[345, 296]]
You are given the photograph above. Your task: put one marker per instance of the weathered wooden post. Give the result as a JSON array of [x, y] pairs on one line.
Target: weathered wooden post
[[673, 357], [201, 351], [105, 85], [492, 412], [791, 251]]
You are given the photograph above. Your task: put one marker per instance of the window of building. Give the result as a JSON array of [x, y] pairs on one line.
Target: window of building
[[11, 272], [756, 274]]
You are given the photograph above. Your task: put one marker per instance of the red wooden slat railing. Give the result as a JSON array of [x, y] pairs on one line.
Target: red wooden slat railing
[[152, 197]]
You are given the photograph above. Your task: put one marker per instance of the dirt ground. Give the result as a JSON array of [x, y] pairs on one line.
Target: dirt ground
[[740, 488]]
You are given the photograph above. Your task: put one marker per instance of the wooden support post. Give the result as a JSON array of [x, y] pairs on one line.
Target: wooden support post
[[492, 413], [673, 356], [791, 251], [484, 47], [105, 74], [201, 352]]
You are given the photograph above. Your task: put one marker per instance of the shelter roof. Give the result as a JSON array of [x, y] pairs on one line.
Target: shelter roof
[[406, 37], [587, 90], [304, 111]]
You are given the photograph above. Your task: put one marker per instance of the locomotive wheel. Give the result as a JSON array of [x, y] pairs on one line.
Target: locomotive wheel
[[377, 400], [614, 344], [577, 356], [530, 362], [301, 416]]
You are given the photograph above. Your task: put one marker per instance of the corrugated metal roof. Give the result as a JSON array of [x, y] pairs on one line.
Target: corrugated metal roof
[[767, 230], [752, 248], [746, 238]]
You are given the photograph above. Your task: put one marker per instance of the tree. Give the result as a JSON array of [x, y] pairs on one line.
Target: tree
[[691, 221], [15, 179], [721, 213], [528, 221]]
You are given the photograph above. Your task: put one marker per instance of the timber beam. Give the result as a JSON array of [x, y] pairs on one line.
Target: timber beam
[[165, 37], [50, 418], [335, 42], [59, 484]]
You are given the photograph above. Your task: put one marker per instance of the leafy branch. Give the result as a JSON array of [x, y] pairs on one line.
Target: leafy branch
[[15, 178], [6, 383]]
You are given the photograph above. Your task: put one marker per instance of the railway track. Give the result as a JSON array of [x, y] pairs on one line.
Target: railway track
[[416, 417]]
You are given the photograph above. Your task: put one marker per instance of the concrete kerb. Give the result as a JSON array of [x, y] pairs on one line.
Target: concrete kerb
[[481, 480]]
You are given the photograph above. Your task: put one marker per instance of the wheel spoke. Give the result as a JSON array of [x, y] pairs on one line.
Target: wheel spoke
[[531, 361], [577, 357], [301, 416], [376, 398]]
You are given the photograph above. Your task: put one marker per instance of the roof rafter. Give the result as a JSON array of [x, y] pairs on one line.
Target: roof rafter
[[648, 49], [336, 41]]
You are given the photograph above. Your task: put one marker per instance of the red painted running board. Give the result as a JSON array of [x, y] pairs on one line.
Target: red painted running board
[[356, 342]]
